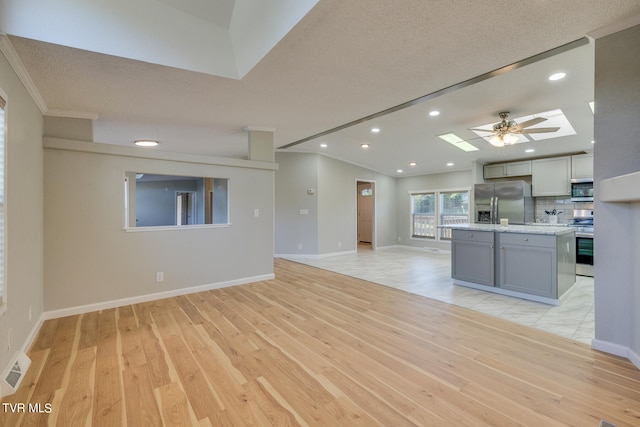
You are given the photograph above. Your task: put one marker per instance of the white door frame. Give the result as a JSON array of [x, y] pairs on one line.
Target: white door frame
[[374, 232]]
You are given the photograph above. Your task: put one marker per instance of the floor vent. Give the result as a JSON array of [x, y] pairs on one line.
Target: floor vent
[[14, 375]]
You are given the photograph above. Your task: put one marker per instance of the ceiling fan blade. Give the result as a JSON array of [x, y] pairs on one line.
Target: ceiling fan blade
[[531, 122], [539, 130], [482, 130]]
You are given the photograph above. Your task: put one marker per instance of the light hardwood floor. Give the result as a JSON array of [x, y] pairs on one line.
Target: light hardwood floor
[[314, 347]]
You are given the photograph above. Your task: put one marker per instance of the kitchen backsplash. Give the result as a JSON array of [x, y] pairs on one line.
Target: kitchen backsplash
[[563, 204]]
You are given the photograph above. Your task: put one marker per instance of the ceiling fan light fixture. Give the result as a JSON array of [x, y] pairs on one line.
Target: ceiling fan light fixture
[[496, 141], [502, 140], [510, 139]]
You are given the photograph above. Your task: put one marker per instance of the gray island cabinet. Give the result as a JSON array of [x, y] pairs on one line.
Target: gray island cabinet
[[532, 262], [473, 256]]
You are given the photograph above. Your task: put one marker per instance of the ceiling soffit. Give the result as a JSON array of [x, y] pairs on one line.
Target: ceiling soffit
[[225, 38]]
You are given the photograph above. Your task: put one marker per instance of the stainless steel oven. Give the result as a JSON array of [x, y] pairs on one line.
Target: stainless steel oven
[[582, 190], [583, 224], [584, 254]]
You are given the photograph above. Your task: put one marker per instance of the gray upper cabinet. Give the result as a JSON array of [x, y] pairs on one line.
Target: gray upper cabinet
[[551, 177], [494, 171], [582, 166], [519, 168], [503, 170]]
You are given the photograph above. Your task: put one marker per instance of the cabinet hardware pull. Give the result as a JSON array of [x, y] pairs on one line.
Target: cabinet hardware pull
[[526, 239]]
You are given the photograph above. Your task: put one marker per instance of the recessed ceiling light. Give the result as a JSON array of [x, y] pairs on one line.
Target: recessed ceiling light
[[557, 76], [399, 171], [146, 143], [449, 164], [364, 145], [323, 145], [458, 142], [375, 130], [592, 105], [413, 163], [529, 150], [593, 142], [434, 113]]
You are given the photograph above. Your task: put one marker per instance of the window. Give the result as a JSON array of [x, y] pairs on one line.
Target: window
[[423, 214], [153, 200], [454, 209], [3, 299], [434, 208]]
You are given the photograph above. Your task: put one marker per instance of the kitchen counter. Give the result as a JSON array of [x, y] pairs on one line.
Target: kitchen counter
[[536, 262], [552, 230]]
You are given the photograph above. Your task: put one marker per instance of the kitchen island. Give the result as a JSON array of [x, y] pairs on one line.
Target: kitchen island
[[534, 262]]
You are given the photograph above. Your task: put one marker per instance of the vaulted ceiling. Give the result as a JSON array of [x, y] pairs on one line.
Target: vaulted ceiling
[[194, 74]]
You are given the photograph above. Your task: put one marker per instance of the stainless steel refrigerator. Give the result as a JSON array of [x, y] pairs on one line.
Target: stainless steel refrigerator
[[511, 200]]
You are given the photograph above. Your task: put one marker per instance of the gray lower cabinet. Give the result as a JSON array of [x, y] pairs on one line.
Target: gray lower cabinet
[[473, 256], [528, 263], [540, 265]]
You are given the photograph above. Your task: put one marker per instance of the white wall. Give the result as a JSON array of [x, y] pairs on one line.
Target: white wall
[[296, 234], [337, 206], [24, 234], [617, 152], [330, 226], [91, 259]]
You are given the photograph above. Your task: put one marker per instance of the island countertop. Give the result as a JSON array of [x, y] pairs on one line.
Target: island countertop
[[550, 230]]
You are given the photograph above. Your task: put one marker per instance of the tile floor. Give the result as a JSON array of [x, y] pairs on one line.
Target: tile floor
[[429, 274]]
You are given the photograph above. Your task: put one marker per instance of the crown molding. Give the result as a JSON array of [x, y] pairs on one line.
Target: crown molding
[[72, 114], [259, 129], [615, 27], [16, 63]]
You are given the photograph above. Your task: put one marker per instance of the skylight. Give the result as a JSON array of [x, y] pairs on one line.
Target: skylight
[[458, 142]]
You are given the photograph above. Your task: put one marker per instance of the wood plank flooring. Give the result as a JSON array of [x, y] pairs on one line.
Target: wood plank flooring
[[315, 348]]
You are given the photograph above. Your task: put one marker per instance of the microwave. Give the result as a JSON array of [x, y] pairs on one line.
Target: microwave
[[582, 190]]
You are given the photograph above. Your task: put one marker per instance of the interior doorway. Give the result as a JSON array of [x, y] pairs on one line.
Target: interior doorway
[[365, 215], [185, 207]]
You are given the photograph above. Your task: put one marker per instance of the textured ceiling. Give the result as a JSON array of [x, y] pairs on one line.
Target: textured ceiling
[[341, 62]]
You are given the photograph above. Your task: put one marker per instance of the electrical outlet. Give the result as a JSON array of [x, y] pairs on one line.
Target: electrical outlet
[[159, 276], [299, 246], [30, 313]]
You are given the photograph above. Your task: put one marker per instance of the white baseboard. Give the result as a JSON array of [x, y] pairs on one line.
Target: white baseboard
[[32, 335], [314, 256], [634, 358], [617, 350], [54, 314], [430, 249]]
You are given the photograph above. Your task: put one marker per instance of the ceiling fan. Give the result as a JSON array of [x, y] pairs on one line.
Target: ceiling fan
[[504, 133]]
